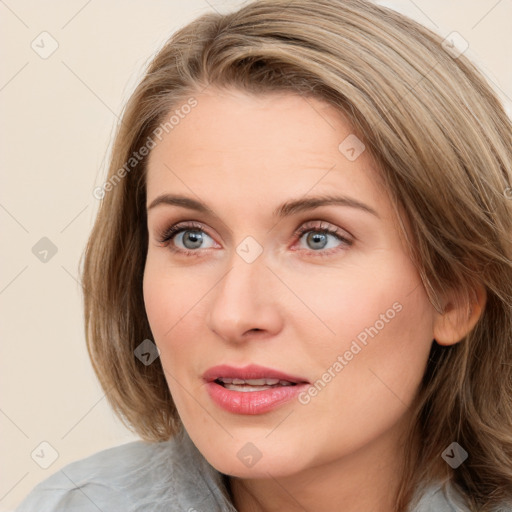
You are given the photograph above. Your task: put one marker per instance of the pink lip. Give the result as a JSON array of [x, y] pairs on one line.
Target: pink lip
[[252, 371], [251, 402]]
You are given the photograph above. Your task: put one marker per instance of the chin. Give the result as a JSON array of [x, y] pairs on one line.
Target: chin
[[258, 458]]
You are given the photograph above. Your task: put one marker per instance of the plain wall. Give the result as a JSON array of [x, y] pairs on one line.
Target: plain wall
[[58, 115]]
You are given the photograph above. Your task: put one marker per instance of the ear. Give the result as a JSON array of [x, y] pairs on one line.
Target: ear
[[459, 317]]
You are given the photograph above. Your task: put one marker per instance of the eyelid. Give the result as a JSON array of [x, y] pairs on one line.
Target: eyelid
[[324, 226], [164, 235]]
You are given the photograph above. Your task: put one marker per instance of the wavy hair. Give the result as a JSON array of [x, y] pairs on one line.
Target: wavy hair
[[443, 143]]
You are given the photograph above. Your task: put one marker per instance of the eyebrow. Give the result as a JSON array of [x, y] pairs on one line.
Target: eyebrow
[[286, 209]]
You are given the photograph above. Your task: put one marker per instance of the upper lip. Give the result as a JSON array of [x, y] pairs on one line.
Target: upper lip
[[252, 371]]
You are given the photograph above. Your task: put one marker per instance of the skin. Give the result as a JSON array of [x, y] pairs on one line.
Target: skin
[[291, 309]]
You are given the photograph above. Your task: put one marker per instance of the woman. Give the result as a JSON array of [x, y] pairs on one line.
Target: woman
[[298, 289]]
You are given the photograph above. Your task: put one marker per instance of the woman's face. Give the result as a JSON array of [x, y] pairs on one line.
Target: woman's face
[[321, 295]]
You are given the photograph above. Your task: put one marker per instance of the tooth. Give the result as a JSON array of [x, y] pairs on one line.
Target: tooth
[[256, 382], [245, 389]]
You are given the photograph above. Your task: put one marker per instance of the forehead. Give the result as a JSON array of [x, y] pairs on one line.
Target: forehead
[[266, 145]]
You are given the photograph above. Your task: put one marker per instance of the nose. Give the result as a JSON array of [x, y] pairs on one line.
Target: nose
[[244, 302]]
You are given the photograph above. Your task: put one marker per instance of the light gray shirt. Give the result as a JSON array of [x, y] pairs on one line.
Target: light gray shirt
[[156, 477]]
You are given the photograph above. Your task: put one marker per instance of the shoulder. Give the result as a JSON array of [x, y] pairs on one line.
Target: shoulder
[[91, 480], [439, 497], [139, 475]]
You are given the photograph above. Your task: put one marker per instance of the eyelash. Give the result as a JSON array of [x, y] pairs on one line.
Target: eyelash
[[169, 233]]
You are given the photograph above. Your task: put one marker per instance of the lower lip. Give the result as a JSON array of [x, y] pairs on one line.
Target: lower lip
[[252, 402]]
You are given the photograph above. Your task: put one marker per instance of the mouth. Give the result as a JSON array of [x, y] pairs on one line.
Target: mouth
[[250, 378], [249, 385], [251, 390]]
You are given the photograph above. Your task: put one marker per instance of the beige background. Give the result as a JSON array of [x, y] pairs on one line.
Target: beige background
[[58, 115]]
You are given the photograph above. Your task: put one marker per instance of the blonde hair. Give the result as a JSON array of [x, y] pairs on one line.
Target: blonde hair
[[444, 147]]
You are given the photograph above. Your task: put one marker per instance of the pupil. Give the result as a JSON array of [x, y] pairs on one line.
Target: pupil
[[194, 237], [316, 238]]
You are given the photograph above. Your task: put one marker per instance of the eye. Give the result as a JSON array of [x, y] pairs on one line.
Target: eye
[[185, 238], [317, 238], [320, 240]]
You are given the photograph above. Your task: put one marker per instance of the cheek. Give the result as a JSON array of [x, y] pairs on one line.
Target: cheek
[[383, 337], [373, 354], [168, 301], [368, 374], [379, 298], [157, 299], [169, 294], [174, 303]]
